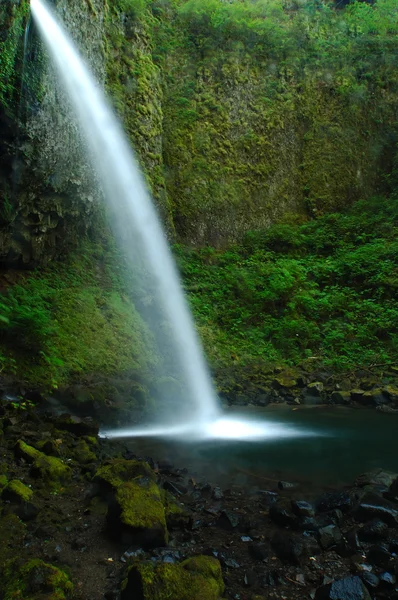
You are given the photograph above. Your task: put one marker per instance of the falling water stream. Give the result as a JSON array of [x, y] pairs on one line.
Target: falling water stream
[[131, 205]]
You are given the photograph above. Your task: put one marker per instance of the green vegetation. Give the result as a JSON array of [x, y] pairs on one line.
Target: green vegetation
[[13, 16], [72, 319], [325, 289], [198, 578], [34, 579]]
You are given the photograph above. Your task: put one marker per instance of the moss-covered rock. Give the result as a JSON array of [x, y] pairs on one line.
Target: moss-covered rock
[[49, 468], [177, 514], [197, 578], [3, 481], [16, 491], [36, 580], [135, 512], [83, 454]]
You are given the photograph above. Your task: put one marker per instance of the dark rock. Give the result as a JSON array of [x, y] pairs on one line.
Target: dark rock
[[272, 578], [372, 398], [175, 488], [379, 555], [77, 426], [217, 494], [288, 547], [349, 545], [259, 551], [373, 506], [302, 508], [341, 397], [373, 530], [268, 498], [228, 520], [331, 500], [370, 580], [286, 485], [387, 579], [250, 578], [329, 536], [282, 514], [394, 546], [356, 395], [315, 388], [349, 588], [376, 478]]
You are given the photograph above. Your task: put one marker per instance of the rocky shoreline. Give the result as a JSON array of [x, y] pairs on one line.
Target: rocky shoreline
[[82, 517]]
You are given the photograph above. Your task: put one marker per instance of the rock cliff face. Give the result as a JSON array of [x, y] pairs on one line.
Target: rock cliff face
[[47, 190], [230, 138]]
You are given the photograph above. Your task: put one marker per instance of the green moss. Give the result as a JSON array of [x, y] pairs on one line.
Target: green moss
[[138, 503], [12, 534], [12, 21], [34, 579], [141, 505], [18, 491], [75, 318], [118, 471], [83, 454], [3, 481], [47, 467], [199, 578], [176, 513]]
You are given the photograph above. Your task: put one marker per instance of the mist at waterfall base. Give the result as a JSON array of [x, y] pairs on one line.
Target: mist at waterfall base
[[136, 224]]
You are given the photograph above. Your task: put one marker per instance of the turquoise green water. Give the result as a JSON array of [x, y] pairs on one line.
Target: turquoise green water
[[344, 443]]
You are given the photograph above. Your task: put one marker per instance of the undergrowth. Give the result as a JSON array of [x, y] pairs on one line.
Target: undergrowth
[[324, 289], [71, 320]]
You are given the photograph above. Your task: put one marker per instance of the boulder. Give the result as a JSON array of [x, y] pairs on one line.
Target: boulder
[[77, 426], [373, 530], [341, 397], [49, 468], [349, 588], [136, 514], [36, 579], [332, 500], [373, 506], [329, 536], [197, 578]]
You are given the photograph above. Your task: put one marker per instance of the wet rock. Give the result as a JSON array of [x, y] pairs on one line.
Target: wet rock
[[315, 388], [259, 551], [281, 513], [376, 478], [228, 520], [302, 508], [197, 577], [356, 395], [379, 555], [329, 536], [136, 514], [387, 580], [332, 500], [341, 398], [373, 506], [77, 426], [349, 588], [286, 485], [373, 530], [372, 398], [217, 494], [370, 580], [175, 488], [349, 545], [288, 547], [391, 392]]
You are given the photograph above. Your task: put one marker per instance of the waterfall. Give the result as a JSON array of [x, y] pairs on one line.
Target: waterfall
[[130, 203]]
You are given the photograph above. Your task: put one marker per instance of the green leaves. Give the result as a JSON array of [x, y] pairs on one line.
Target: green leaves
[[327, 287]]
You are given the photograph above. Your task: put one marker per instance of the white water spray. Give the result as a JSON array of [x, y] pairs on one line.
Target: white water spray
[[129, 200], [131, 205]]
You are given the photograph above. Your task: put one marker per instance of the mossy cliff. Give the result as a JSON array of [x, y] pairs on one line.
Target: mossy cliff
[[47, 191], [240, 113]]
